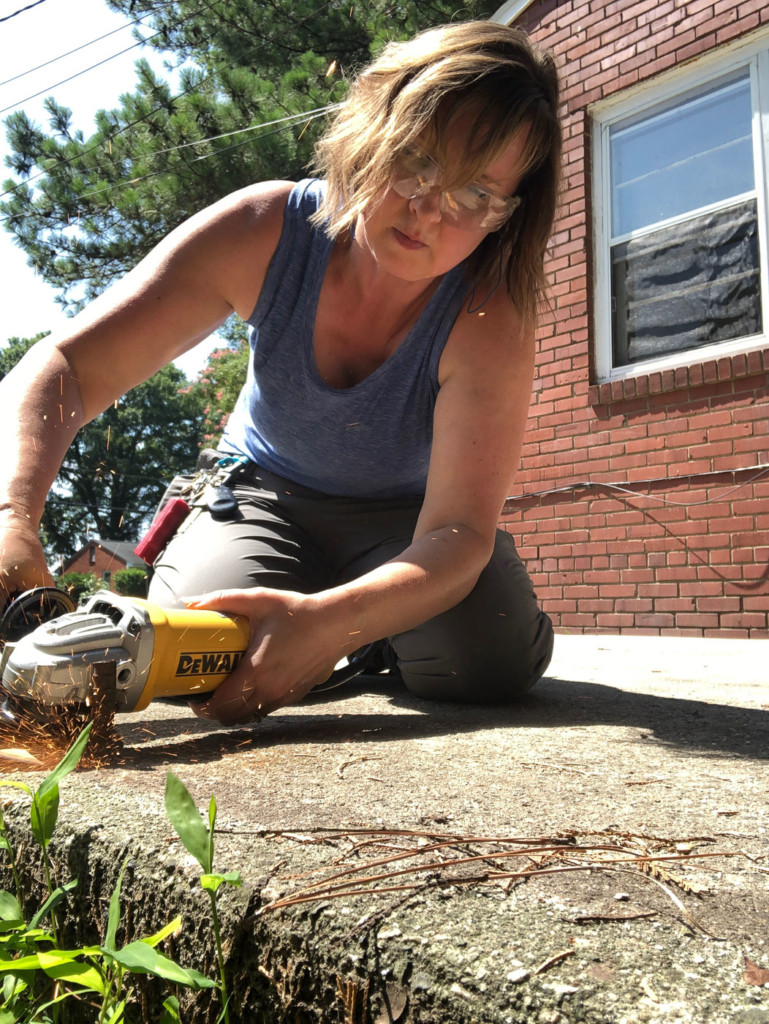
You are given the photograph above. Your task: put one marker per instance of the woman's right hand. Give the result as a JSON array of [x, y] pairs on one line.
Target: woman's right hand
[[22, 562]]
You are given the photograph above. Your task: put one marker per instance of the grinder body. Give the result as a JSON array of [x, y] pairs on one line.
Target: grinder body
[[157, 652]]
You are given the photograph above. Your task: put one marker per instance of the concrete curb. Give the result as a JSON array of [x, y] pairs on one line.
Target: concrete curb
[[637, 743]]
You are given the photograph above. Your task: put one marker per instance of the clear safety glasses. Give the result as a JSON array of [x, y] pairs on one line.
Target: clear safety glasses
[[472, 207]]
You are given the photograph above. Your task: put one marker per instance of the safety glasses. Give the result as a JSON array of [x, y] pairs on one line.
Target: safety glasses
[[471, 207]]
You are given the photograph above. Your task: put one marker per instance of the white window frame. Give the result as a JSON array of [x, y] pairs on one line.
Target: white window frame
[[752, 53]]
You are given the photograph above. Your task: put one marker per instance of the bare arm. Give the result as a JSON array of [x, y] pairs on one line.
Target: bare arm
[[186, 288]]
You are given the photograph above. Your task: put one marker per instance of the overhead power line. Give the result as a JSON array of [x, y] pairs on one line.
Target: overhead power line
[[22, 10], [77, 74], [291, 121], [98, 64], [61, 56], [83, 46], [161, 106], [285, 122]]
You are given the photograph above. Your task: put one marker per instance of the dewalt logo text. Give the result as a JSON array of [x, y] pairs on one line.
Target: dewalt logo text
[[208, 663]]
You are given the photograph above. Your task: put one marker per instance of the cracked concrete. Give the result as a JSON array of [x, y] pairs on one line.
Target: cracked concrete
[[631, 747]]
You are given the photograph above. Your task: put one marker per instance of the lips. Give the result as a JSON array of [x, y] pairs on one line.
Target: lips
[[407, 241]]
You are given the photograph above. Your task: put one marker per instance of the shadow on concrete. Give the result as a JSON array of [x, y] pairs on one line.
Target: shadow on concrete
[[693, 726]]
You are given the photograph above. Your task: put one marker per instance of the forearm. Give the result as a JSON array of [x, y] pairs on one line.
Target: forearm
[[433, 574], [40, 413]]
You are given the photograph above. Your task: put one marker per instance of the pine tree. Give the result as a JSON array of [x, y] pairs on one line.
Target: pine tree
[[85, 210]]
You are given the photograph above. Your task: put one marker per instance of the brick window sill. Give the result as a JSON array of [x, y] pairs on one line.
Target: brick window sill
[[659, 382]]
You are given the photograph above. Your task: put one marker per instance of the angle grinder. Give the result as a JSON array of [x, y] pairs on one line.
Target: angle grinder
[[51, 649]]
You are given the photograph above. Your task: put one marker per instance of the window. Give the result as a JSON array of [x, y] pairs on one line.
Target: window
[[682, 256]]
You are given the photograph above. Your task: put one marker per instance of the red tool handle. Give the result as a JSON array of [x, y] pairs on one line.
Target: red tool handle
[[163, 527]]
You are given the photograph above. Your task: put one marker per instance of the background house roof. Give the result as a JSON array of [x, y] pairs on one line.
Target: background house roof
[[120, 549]]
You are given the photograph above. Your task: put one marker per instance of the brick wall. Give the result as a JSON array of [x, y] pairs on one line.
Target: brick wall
[[683, 548]]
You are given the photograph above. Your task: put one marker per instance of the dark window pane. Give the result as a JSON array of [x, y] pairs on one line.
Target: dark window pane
[[688, 285]]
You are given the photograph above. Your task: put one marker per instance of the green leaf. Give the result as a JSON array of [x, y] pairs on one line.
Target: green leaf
[[10, 911], [212, 882], [114, 909], [223, 1015], [186, 819], [22, 963], [140, 958], [48, 959], [76, 973], [117, 1016], [67, 764], [211, 824], [16, 785], [170, 928], [171, 1012], [53, 901], [44, 812], [12, 988]]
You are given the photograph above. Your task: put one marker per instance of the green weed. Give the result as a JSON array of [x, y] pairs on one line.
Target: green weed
[[37, 976], [198, 840]]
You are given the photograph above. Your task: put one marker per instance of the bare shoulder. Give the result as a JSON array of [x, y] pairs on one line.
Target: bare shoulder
[[490, 343], [234, 240], [255, 206]]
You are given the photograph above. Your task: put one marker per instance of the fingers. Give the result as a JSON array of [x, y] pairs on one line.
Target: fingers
[[284, 661], [224, 600], [243, 697]]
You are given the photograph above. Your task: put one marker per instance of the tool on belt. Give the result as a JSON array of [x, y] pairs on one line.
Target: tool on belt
[[207, 488]]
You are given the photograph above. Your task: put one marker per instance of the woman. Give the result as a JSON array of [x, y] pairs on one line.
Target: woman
[[393, 309]]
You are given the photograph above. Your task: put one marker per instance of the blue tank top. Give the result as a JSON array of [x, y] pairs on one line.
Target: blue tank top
[[371, 440]]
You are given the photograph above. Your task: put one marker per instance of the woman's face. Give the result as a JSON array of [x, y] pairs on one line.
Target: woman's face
[[409, 239]]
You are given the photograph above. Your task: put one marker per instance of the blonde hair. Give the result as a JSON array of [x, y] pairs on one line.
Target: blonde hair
[[482, 73]]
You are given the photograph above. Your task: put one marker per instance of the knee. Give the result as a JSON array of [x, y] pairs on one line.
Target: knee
[[486, 670]]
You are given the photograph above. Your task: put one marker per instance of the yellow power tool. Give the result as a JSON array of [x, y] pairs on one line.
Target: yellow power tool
[[157, 652], [51, 649]]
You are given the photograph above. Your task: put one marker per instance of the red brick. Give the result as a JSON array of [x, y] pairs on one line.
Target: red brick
[[614, 621], [661, 621], [718, 604], [744, 620], [696, 620]]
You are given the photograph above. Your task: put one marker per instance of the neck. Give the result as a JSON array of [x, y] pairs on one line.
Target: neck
[[367, 281]]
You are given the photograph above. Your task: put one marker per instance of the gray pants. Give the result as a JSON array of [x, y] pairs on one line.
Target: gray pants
[[490, 648]]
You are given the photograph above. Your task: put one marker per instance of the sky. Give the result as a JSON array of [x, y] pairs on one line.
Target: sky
[[27, 40]]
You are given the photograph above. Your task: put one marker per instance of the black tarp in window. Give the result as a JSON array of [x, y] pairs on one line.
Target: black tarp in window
[[688, 285]]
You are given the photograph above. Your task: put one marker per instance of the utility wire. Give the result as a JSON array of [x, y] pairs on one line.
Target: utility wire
[[22, 10], [283, 122], [83, 46], [61, 56], [77, 74], [145, 117], [762, 470]]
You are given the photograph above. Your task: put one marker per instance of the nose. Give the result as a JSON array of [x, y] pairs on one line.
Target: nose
[[428, 207]]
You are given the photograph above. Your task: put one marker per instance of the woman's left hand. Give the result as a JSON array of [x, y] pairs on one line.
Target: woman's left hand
[[289, 653]]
